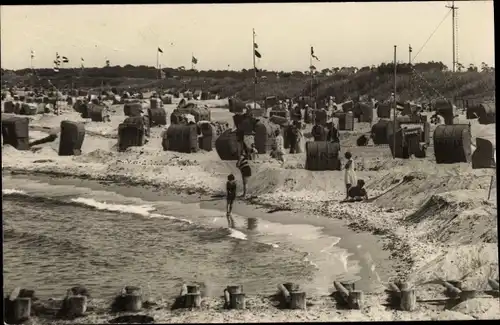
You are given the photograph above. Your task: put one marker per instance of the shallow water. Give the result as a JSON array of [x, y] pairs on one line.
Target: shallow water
[[60, 235]]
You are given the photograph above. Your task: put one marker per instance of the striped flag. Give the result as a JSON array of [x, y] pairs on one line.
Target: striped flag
[[32, 54], [107, 63], [83, 61], [160, 50], [65, 59], [411, 50], [312, 54], [58, 59], [194, 60]]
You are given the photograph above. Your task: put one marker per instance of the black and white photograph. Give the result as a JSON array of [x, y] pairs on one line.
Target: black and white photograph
[[249, 162]]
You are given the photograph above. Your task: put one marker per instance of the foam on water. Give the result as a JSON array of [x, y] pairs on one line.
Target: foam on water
[[143, 210], [12, 191]]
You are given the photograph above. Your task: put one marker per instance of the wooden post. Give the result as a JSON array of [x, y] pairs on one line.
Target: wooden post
[[193, 300], [193, 289], [297, 300], [237, 301], [348, 285], [455, 283], [342, 290], [356, 299], [467, 294], [234, 289], [184, 290], [285, 296], [77, 305], [291, 286], [395, 294], [408, 300], [227, 299], [451, 290], [252, 223], [22, 309], [493, 284], [403, 285], [132, 298]]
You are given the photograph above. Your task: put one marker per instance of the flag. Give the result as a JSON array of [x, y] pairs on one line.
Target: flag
[[257, 54], [56, 63], [160, 50], [56, 68], [410, 48], [82, 61], [107, 63], [312, 67], [65, 59], [194, 60], [255, 45], [312, 54], [32, 54]]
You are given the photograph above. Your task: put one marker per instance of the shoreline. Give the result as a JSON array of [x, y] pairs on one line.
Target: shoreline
[[391, 243], [375, 265]]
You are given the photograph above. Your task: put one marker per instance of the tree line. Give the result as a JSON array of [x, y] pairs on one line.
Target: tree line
[[149, 72]]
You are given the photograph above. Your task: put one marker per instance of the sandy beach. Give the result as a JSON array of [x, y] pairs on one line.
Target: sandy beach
[[434, 220]]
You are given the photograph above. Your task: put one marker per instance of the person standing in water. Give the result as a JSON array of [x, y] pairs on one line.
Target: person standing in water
[[231, 196], [245, 170], [349, 175]]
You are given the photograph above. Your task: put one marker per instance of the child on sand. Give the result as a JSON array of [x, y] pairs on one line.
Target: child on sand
[[231, 196], [349, 174]]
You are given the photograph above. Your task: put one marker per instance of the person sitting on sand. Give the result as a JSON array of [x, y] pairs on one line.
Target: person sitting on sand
[[245, 170], [230, 197], [358, 193], [349, 175]]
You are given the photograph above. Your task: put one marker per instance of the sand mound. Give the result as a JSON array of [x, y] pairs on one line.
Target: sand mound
[[452, 315], [463, 217], [406, 189], [479, 308], [471, 264]]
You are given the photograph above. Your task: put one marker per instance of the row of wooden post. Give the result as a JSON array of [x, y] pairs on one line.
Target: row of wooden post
[[130, 298]]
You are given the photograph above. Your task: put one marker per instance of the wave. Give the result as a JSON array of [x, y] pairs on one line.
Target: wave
[[142, 210], [13, 191]]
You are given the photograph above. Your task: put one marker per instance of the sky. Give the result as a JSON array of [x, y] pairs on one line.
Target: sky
[[343, 34]]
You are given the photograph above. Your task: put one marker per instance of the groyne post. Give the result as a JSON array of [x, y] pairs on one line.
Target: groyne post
[[402, 296], [452, 288], [353, 298], [76, 304], [493, 284], [235, 297], [132, 299], [193, 297], [21, 306]]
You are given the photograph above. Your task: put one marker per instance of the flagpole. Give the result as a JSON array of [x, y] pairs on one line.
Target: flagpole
[[394, 109], [254, 70], [311, 70], [409, 63], [157, 63], [31, 66]]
